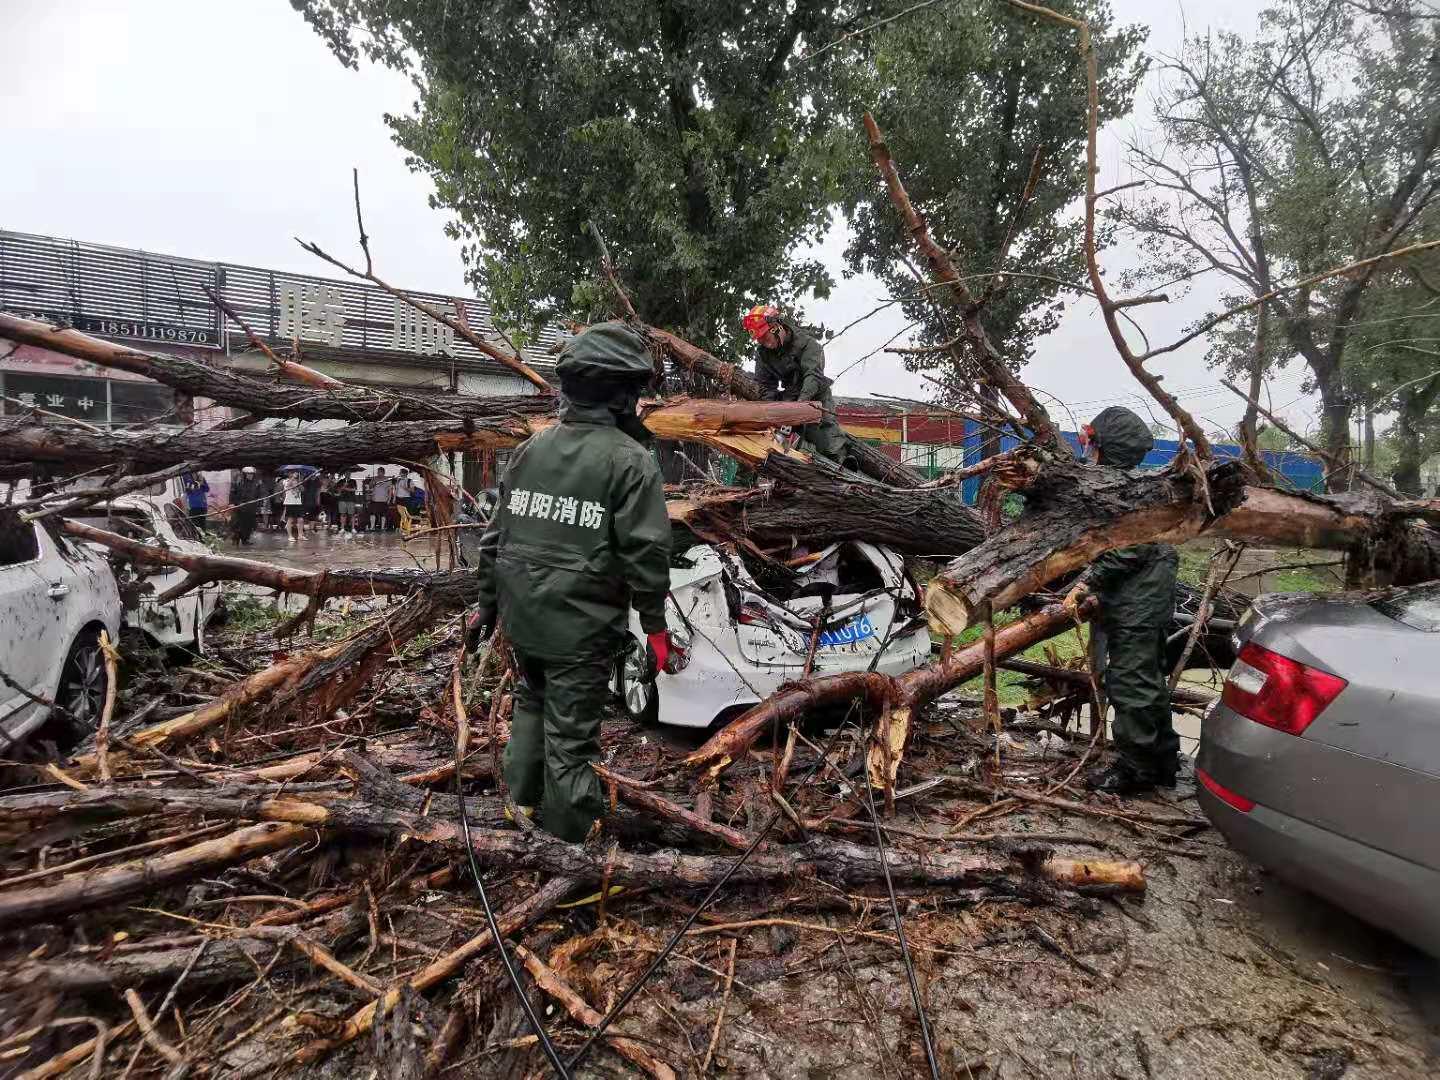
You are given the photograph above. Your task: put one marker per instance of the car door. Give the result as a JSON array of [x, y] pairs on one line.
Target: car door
[[34, 588]]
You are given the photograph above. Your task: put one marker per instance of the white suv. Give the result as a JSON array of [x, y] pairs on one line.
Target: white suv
[[55, 597]]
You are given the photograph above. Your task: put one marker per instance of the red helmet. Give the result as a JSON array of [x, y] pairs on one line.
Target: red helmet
[[758, 319]]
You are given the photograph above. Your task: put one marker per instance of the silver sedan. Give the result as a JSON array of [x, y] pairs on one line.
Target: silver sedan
[[1321, 760]]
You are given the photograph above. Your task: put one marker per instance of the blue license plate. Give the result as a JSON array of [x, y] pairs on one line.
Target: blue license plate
[[855, 630]]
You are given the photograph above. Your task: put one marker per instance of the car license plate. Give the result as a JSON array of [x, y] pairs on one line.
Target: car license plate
[[852, 633]]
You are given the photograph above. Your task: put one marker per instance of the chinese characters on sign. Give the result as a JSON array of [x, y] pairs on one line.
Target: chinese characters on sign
[[312, 313], [561, 508], [418, 333], [96, 400]]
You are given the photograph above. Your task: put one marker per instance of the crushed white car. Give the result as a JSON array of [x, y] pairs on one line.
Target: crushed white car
[[55, 598], [178, 623], [747, 639]]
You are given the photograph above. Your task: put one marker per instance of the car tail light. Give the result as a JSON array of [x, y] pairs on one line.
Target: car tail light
[[1223, 793], [1276, 691], [754, 615]]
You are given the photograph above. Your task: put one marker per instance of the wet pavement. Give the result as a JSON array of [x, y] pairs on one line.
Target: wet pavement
[[322, 549]]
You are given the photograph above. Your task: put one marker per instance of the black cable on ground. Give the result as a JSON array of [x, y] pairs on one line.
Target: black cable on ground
[[660, 957], [634, 988], [900, 933], [545, 1044]]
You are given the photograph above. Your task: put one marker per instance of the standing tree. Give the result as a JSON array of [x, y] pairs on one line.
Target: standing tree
[[976, 103], [1395, 367], [1315, 145], [689, 131]]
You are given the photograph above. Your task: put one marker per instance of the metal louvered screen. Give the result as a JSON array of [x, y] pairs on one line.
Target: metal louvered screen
[[109, 291], [135, 295]]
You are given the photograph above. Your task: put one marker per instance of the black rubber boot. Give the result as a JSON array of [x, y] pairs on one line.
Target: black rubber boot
[[1119, 779]]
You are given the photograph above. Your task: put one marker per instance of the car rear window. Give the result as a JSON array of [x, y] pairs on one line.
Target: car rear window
[[1417, 608]]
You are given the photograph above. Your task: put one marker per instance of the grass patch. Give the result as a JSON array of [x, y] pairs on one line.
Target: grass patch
[[1194, 564], [1010, 685], [248, 614], [1300, 580]]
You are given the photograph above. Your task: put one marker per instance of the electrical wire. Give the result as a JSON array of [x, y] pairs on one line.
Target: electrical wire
[[545, 1044], [660, 957], [900, 934], [634, 988]]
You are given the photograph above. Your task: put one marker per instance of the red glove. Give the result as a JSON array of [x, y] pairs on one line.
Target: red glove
[[660, 646]]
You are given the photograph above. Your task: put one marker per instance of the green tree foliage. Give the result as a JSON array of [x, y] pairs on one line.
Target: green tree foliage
[[967, 92], [1313, 146], [691, 131], [1394, 366]]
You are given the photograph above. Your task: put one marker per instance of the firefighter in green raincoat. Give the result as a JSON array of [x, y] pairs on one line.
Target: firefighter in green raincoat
[[580, 535], [1135, 587], [790, 366]]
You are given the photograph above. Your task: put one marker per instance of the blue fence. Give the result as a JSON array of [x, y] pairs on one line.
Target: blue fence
[[1303, 472]]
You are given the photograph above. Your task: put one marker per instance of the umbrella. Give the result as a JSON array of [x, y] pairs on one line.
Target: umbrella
[[307, 469]]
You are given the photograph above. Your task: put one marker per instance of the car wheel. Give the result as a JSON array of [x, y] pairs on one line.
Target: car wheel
[[639, 699], [83, 685]]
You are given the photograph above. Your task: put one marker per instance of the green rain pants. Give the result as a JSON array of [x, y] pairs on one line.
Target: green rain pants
[[1137, 686], [554, 736]]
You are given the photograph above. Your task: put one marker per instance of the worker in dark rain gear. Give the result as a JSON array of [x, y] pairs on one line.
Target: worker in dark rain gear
[[1135, 587], [790, 366], [579, 536]]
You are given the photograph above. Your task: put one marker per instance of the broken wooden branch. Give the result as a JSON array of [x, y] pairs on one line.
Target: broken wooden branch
[[906, 692], [87, 890], [957, 293], [261, 397]]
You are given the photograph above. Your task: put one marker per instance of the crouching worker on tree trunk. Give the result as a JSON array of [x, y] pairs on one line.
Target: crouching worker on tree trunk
[[790, 366], [1136, 590], [580, 535]]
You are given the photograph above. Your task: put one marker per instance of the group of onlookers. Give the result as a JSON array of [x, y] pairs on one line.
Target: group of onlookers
[[300, 499]]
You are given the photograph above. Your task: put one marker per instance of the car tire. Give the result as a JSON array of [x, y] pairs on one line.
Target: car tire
[[84, 682], [639, 700]]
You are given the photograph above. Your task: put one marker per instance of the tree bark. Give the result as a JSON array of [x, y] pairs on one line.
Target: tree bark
[[199, 378], [381, 806], [738, 429], [814, 504], [449, 587], [908, 691], [84, 891], [1073, 513]]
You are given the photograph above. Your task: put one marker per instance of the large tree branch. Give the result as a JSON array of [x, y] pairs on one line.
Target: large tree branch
[[987, 356], [261, 397]]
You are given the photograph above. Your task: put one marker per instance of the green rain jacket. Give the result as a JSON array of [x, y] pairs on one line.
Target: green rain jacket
[[1135, 585], [795, 371], [579, 536]]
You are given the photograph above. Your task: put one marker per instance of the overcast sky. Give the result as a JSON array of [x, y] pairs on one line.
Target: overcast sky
[[221, 131]]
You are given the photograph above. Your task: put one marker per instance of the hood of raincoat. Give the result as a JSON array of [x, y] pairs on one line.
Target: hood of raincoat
[[1124, 439]]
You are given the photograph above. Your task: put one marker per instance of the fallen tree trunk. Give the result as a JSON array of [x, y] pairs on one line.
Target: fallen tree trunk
[[734, 380], [448, 587], [381, 806], [83, 891], [809, 497], [226, 386], [1073, 513], [22, 439], [739, 430], [1387, 542], [899, 695]]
